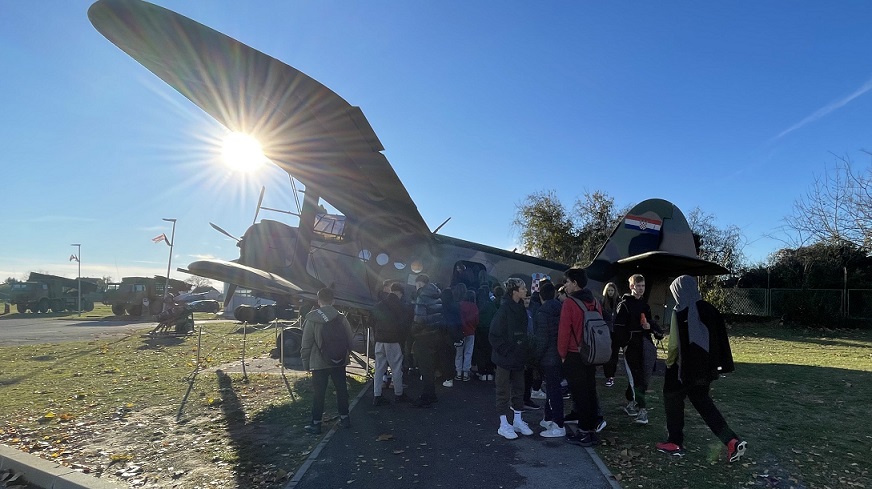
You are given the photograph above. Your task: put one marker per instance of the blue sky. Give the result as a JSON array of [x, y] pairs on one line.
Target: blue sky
[[730, 106]]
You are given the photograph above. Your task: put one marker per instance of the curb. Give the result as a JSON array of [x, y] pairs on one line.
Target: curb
[[48, 475]]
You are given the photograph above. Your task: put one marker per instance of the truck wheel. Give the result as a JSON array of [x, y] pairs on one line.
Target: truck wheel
[[43, 305], [88, 305], [21, 308], [156, 307], [118, 309], [134, 310], [57, 305]]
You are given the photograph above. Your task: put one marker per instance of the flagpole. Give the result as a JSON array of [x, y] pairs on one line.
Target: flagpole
[[79, 261], [170, 261]]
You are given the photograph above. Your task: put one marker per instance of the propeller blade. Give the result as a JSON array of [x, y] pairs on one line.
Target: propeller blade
[[259, 201], [225, 233]]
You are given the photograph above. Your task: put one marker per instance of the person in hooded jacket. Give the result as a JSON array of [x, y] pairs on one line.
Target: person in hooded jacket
[[698, 353], [546, 329], [610, 307], [581, 377], [322, 369], [510, 344]]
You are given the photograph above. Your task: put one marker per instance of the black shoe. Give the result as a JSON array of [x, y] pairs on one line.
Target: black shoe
[[422, 402], [402, 398], [345, 422], [571, 418], [584, 439], [531, 406], [379, 401], [313, 429]]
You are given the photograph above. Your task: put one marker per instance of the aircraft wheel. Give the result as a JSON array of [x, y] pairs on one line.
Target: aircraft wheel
[[292, 339], [265, 314], [244, 313], [43, 305], [21, 308], [118, 309]]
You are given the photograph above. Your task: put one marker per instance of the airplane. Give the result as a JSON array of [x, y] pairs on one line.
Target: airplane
[[329, 146]]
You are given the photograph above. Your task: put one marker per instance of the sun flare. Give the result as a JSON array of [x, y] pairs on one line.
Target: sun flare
[[242, 152]]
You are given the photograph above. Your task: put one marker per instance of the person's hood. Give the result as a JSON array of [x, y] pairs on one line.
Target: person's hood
[[551, 307]]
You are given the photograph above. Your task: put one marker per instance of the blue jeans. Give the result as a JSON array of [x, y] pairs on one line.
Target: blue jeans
[[554, 394]]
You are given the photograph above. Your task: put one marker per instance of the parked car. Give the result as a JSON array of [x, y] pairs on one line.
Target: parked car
[[205, 306]]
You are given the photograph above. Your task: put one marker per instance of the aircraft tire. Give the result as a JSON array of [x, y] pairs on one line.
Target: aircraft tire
[[265, 314], [293, 340], [244, 313]]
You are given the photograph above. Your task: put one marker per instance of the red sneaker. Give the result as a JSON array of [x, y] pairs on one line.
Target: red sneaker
[[670, 449], [735, 449]]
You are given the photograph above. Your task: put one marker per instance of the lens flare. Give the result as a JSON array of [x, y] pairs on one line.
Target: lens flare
[[242, 152]]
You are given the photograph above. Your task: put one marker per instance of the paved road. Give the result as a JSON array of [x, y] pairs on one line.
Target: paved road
[[34, 329]]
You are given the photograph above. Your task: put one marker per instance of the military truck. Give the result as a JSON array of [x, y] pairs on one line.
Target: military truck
[[42, 292], [126, 296]]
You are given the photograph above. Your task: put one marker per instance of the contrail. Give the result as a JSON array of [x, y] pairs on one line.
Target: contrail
[[825, 110]]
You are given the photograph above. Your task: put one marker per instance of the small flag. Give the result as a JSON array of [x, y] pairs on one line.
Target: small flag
[[74, 257], [643, 224], [158, 239]]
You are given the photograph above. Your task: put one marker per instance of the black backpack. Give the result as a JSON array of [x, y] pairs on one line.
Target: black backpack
[[334, 345]]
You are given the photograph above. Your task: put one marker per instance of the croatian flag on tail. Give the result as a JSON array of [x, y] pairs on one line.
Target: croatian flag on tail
[[642, 224]]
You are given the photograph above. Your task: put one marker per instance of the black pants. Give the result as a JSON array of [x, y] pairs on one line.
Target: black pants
[[582, 385], [611, 367], [674, 393], [319, 388], [424, 349], [554, 403]]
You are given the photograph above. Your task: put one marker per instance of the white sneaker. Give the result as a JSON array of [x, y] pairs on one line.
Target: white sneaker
[[448, 383], [601, 426], [538, 395], [555, 432], [521, 427], [642, 417], [547, 424], [507, 431]]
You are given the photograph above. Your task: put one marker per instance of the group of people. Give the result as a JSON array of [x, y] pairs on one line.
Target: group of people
[[508, 336]]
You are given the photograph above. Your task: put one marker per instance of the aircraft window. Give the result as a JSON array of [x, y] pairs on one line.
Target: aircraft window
[[417, 266], [382, 259], [399, 265], [364, 255], [330, 226]]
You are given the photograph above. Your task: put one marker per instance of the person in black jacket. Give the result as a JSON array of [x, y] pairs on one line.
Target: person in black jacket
[[427, 332], [633, 329], [510, 343], [390, 325], [546, 326], [699, 352]]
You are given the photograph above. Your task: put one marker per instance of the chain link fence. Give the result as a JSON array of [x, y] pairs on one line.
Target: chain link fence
[[856, 303]]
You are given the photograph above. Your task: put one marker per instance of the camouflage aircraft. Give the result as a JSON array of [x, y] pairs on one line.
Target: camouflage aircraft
[[328, 145]]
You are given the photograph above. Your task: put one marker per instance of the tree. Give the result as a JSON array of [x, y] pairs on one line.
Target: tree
[[596, 218], [545, 229], [719, 245], [197, 281], [837, 209]]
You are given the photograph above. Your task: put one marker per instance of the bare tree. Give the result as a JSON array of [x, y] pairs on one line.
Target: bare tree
[[720, 245], [837, 209]]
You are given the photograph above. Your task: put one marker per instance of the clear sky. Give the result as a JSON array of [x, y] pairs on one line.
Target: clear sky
[[730, 106]]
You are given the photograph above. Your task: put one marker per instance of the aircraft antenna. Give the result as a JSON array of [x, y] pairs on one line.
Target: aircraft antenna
[[259, 201], [440, 226]]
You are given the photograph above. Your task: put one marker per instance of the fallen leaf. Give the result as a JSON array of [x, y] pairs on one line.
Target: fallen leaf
[[385, 437]]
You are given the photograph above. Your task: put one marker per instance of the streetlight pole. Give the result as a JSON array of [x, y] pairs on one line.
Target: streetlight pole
[[170, 261], [79, 261]]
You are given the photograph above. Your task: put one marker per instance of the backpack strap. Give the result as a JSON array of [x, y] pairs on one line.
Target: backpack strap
[[324, 317], [571, 327]]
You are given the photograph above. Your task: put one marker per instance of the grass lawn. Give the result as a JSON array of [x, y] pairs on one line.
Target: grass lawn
[[110, 407], [799, 397]]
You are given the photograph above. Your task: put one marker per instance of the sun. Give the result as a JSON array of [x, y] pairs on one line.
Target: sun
[[242, 152]]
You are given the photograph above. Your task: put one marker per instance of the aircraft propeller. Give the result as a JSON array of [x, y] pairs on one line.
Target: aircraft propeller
[[225, 233]]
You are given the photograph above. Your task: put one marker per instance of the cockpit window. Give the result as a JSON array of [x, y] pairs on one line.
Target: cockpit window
[[330, 226]]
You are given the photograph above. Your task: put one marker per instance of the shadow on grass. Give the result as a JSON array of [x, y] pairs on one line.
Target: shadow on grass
[[56, 361], [271, 444]]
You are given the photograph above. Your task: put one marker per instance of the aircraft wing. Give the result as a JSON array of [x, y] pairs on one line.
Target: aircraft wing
[[303, 126], [247, 277]]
